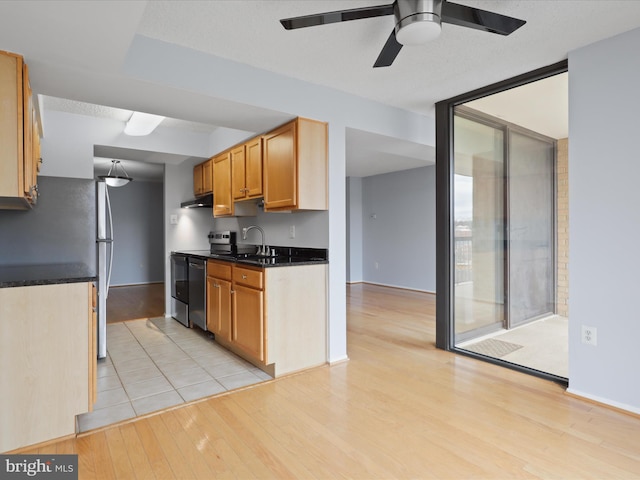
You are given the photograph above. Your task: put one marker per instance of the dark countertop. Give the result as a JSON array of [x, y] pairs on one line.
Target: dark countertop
[[52, 274], [286, 257]]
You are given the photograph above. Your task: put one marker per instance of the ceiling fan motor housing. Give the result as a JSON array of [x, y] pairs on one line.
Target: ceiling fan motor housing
[[417, 21]]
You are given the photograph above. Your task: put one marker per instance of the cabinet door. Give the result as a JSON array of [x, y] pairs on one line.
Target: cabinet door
[[27, 130], [238, 173], [224, 291], [248, 325], [197, 180], [222, 204], [280, 168], [207, 177], [213, 305], [11, 160], [219, 307], [253, 168]]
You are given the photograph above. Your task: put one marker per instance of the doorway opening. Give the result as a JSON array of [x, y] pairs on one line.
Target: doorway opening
[[503, 224]]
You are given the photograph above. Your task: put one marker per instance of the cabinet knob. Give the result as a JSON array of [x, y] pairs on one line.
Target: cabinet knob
[[244, 277], [232, 291]]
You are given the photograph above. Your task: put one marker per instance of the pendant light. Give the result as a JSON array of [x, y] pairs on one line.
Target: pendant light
[[113, 179]]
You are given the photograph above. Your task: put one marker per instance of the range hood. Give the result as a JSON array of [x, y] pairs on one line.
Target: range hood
[[206, 201]]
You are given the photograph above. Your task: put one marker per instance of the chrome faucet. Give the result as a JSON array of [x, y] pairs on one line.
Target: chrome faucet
[[261, 250]]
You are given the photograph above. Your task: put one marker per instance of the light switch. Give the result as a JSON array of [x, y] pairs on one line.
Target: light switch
[[173, 219]]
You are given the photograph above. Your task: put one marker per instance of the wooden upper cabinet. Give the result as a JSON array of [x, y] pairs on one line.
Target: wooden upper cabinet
[[222, 199], [295, 166], [247, 170], [197, 180], [238, 173], [19, 135], [203, 178], [253, 165], [207, 177]]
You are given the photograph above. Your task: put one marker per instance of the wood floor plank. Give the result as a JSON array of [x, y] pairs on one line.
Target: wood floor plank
[[130, 302], [226, 442], [66, 447], [399, 408], [170, 448], [188, 446], [137, 454], [119, 455], [153, 450], [192, 420], [86, 460], [104, 464]]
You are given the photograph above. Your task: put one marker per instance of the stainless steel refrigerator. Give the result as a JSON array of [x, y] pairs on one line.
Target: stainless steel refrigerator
[[104, 242]]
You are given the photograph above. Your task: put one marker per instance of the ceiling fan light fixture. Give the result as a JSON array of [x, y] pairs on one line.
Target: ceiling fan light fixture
[[141, 124], [418, 29]]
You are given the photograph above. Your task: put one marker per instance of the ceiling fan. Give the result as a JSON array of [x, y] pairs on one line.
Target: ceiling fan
[[417, 22]]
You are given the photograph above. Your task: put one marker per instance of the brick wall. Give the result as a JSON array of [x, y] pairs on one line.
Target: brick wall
[[562, 226]]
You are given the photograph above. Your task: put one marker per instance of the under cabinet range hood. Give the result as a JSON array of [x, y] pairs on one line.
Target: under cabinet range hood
[[200, 202]]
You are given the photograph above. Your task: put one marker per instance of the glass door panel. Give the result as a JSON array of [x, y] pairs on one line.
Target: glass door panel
[[479, 253], [531, 290]]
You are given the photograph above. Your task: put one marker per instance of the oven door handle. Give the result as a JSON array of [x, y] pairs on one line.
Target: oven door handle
[[199, 266]]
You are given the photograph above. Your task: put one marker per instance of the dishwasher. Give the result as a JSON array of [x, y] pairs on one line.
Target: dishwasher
[[198, 292]]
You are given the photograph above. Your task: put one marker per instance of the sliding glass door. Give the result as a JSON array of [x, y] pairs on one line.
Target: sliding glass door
[[503, 225]]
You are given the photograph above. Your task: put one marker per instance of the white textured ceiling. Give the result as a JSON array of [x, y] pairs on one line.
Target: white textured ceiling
[[76, 49]]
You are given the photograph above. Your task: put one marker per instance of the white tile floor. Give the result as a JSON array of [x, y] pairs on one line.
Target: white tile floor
[[157, 363]]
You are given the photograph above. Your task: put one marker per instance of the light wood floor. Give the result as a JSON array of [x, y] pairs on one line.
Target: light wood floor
[[131, 302], [398, 409]]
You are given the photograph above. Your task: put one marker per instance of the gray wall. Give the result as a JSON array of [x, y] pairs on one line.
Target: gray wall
[[61, 228], [398, 229], [605, 219], [137, 210]]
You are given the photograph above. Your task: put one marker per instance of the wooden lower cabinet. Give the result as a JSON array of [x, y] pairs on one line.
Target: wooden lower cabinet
[[219, 299], [219, 307], [248, 321], [276, 318], [48, 354]]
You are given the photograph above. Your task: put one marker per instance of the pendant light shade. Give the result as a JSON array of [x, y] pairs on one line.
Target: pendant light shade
[[113, 178]]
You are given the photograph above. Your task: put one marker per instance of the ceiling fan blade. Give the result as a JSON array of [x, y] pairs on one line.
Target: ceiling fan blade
[[337, 16], [464, 16], [389, 51]]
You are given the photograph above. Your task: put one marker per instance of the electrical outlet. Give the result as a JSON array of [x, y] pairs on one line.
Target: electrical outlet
[[376, 265], [292, 231], [589, 335], [173, 219]]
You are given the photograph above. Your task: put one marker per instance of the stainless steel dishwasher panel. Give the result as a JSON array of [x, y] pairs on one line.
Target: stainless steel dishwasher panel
[[198, 292]]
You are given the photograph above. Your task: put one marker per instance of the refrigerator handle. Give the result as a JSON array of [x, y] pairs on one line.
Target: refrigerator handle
[[109, 236]]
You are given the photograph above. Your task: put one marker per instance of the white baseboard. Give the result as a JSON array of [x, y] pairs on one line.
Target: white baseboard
[[401, 287], [604, 401], [335, 361]]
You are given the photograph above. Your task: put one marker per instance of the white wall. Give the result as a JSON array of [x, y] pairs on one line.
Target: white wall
[[354, 229], [67, 145], [605, 219], [399, 229]]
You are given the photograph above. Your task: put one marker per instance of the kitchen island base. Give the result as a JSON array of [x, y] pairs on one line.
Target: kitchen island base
[[292, 327]]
